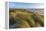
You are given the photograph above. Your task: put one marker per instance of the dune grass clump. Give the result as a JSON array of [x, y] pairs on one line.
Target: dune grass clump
[[22, 18]]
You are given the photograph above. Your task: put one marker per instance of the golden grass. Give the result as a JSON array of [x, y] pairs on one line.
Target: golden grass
[[26, 19]]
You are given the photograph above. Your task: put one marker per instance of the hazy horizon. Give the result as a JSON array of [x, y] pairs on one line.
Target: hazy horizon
[[25, 5]]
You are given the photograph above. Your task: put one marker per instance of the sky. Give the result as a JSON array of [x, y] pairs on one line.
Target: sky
[[25, 5]]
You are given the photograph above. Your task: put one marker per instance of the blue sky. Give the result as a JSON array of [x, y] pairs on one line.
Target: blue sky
[[25, 5]]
